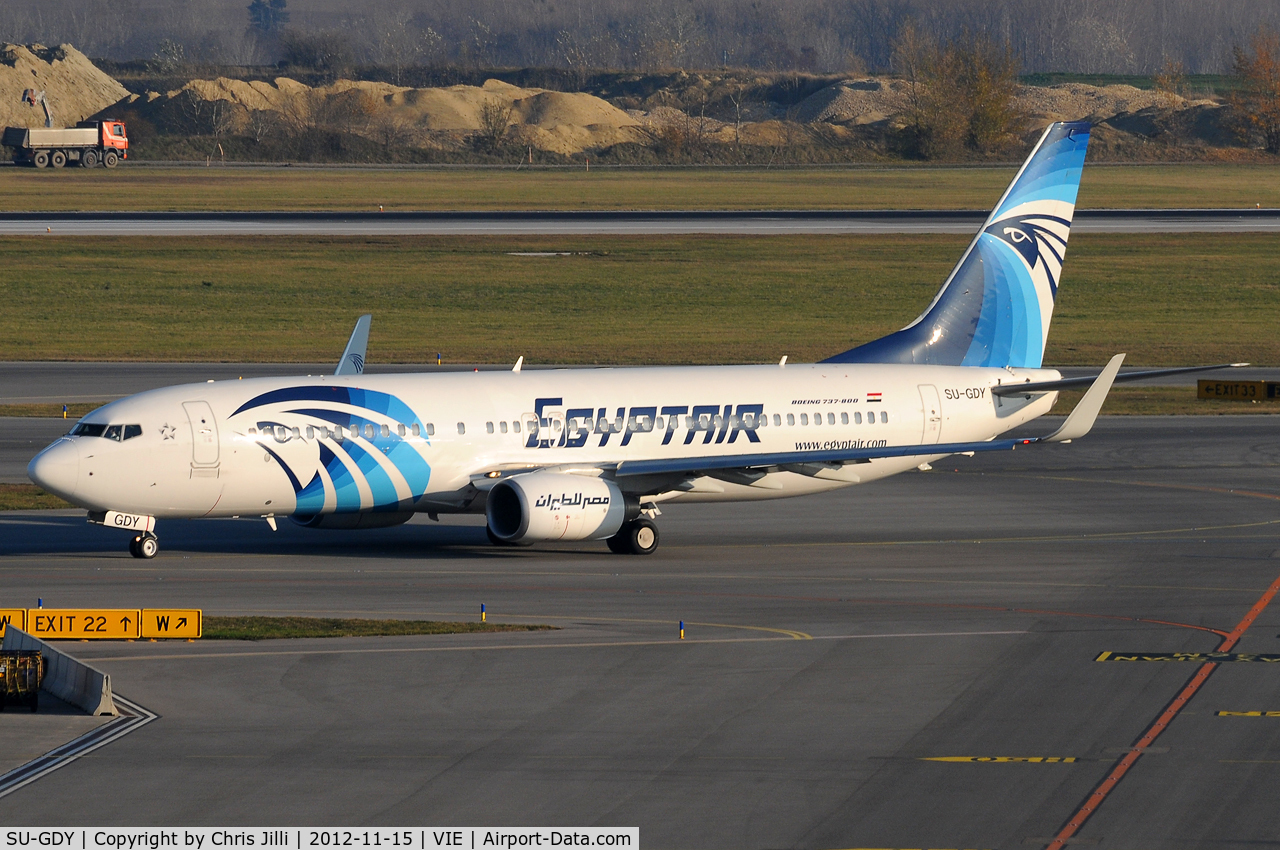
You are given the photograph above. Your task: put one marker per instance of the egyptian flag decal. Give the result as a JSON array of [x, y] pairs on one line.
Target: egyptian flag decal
[[873, 398]]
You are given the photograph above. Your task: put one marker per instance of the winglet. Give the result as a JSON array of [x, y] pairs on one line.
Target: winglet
[[352, 362], [519, 363], [1082, 418]]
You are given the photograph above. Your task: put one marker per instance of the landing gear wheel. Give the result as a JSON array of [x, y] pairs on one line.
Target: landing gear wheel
[[40, 159], [110, 159], [144, 546], [89, 159], [58, 159], [638, 537]]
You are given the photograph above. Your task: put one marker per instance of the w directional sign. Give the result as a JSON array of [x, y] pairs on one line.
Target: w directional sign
[[171, 623]]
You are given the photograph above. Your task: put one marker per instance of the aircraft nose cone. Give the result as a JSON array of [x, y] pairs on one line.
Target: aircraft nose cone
[[57, 468]]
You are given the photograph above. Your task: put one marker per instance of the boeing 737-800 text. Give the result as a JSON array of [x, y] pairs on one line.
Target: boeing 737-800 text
[[594, 453]]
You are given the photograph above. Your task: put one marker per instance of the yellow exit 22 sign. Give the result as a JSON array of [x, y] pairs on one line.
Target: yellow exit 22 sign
[[105, 623], [84, 623]]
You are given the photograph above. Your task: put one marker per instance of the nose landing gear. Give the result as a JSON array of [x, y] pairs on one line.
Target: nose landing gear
[[144, 545]]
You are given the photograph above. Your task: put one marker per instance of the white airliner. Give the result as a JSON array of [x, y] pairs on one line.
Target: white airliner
[[593, 453]]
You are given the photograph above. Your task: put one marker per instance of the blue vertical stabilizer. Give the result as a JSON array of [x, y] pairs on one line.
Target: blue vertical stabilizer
[[995, 307]]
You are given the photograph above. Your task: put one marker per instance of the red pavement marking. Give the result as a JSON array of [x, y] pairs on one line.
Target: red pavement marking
[[1099, 795]]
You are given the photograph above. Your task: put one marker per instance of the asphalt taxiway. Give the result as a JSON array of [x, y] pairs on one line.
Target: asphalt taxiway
[[615, 222], [906, 664]]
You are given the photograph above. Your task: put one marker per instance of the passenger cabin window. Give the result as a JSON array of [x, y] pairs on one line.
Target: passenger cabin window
[[386, 431], [311, 433], [777, 419], [462, 428], [804, 419], [431, 430], [488, 427], [884, 417], [502, 426], [844, 418], [400, 429], [831, 419], [857, 418], [515, 427], [416, 430], [791, 419]]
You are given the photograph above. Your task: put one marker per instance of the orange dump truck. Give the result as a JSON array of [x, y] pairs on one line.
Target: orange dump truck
[[88, 144]]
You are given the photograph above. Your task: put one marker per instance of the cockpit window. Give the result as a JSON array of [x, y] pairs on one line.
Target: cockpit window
[[119, 433]]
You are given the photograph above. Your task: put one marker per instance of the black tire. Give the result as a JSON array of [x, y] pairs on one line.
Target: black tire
[[148, 546], [133, 545], [40, 159], [110, 159], [34, 702], [638, 537], [58, 159], [89, 159]]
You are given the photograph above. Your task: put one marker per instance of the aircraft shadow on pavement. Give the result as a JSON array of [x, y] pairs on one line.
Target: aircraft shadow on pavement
[[71, 535]]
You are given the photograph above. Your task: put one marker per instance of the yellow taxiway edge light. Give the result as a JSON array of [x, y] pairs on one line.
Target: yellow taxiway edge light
[[84, 623], [17, 616], [172, 623]]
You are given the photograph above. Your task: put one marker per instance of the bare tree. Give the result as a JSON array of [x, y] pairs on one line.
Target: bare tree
[[1170, 80], [1258, 102], [494, 120]]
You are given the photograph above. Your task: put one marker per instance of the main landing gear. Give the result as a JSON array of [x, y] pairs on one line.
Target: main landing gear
[[144, 545], [636, 537]]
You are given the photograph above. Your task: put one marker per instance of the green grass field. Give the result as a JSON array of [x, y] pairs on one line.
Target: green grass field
[[138, 187], [1163, 299]]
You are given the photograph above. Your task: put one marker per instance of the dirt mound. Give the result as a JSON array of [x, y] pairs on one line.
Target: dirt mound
[[870, 100], [863, 101], [1080, 102], [73, 86], [565, 123]]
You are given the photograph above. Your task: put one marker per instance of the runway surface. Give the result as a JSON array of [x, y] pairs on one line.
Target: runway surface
[[608, 222], [835, 645]]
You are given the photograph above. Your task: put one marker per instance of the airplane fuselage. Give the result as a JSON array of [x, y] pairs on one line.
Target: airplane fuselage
[[319, 445]]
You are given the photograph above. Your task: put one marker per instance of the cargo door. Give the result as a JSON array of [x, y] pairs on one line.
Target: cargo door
[[931, 408], [204, 434]]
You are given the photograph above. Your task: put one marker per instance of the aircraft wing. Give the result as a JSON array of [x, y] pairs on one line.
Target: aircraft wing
[[1076, 425], [1031, 388], [352, 362]]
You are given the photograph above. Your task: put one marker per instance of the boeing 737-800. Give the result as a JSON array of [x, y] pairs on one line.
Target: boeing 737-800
[[595, 453]]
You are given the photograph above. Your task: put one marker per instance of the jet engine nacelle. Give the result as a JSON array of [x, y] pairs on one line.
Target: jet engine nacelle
[[556, 506], [358, 520]]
